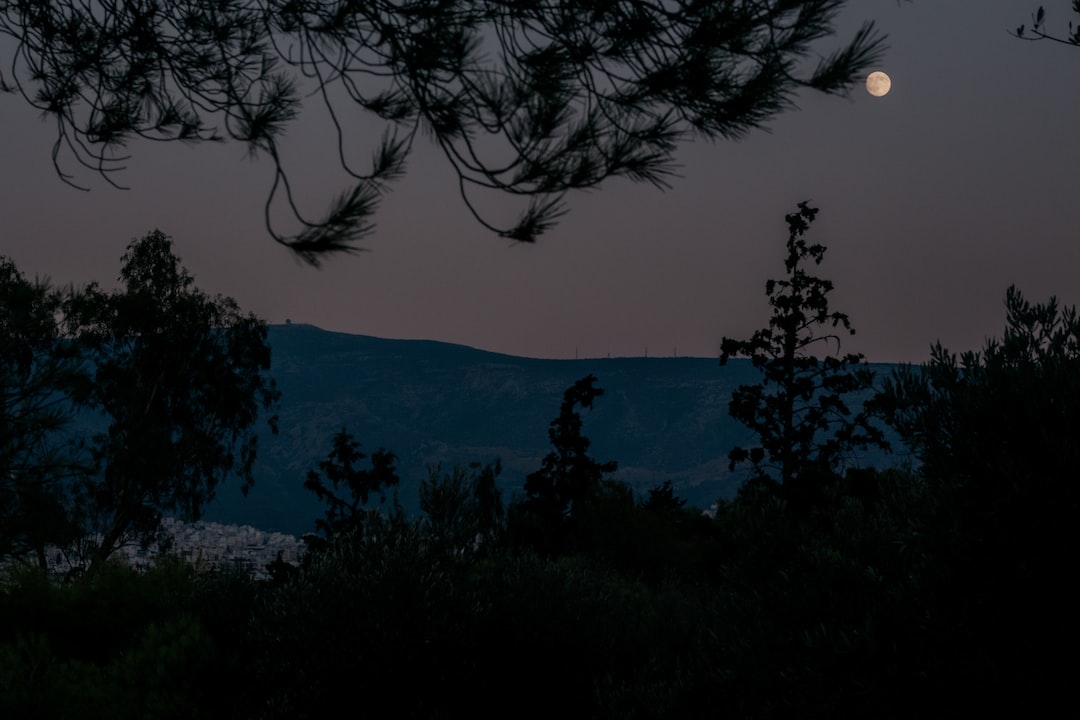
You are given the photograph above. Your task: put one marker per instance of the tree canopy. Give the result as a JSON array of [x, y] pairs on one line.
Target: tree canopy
[[529, 98], [1009, 412], [181, 378], [166, 382], [38, 371]]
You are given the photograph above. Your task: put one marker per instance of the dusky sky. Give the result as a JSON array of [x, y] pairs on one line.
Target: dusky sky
[[964, 179]]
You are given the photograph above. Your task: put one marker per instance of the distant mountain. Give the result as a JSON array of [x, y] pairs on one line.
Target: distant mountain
[[431, 402]]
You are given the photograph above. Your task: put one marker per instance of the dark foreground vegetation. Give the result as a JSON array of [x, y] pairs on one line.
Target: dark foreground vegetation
[[821, 589]]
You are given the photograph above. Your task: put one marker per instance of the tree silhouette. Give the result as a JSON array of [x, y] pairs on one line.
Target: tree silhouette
[[662, 499], [39, 373], [529, 98], [995, 433], [1011, 411], [798, 410], [462, 506], [341, 472], [181, 379], [568, 475], [557, 494], [1037, 31]]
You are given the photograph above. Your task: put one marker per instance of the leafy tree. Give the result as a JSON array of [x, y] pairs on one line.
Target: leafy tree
[[527, 98], [181, 379], [1038, 31], [1009, 414], [798, 411], [341, 472], [38, 373], [995, 432]]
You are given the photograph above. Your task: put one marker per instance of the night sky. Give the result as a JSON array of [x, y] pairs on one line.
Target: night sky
[[934, 199]]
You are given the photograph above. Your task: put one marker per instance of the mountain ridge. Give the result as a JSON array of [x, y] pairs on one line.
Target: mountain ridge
[[430, 402]]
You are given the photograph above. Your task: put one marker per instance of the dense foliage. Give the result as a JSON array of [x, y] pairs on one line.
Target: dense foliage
[[175, 379], [525, 98], [886, 593], [38, 371]]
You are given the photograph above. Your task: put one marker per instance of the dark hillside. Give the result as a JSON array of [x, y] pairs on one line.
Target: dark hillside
[[428, 402]]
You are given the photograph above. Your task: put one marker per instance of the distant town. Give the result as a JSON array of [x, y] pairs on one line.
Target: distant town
[[205, 545]]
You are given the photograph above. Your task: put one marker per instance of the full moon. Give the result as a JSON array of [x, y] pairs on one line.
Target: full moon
[[878, 84]]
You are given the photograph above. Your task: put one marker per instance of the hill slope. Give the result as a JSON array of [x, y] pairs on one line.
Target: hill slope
[[429, 402]]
